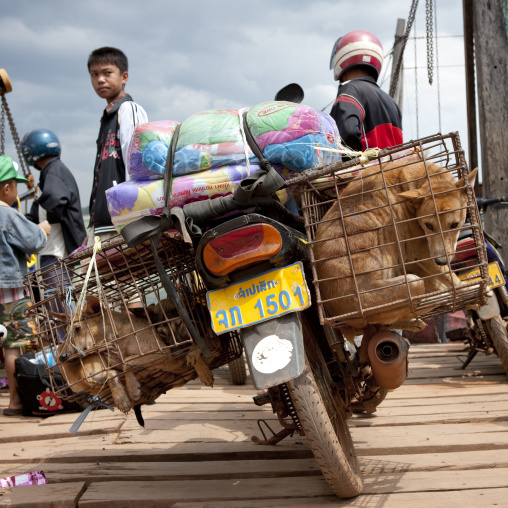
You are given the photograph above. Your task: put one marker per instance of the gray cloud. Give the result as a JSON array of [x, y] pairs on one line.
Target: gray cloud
[[185, 57]]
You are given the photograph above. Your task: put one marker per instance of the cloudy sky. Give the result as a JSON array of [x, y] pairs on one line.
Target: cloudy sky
[[193, 55]]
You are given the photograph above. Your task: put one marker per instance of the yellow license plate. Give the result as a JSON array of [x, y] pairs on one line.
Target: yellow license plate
[[267, 296], [496, 277]]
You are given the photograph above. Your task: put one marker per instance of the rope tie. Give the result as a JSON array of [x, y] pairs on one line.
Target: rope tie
[[365, 156], [244, 139], [68, 297], [93, 264]]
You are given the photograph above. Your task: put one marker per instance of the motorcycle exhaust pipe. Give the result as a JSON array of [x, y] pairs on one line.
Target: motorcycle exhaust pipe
[[388, 358]]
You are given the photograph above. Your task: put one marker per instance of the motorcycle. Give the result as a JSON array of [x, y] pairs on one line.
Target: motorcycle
[[239, 270], [486, 327]]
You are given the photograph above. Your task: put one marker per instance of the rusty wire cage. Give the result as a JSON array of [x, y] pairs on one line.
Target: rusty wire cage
[[109, 344], [368, 261]]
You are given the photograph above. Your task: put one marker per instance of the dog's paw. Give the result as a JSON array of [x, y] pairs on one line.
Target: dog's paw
[[122, 403], [204, 372], [192, 356], [132, 386], [411, 325]]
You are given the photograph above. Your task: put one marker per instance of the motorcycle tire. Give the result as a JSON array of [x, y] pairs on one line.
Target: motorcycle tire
[[496, 328], [238, 371], [326, 430]]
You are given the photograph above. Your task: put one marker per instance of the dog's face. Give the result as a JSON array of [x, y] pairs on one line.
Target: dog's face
[[169, 331], [83, 329], [442, 228]]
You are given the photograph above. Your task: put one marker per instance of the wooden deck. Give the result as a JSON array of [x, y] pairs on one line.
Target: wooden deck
[[441, 440]]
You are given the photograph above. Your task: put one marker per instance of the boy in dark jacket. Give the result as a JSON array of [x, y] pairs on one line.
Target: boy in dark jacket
[[366, 116], [18, 237], [108, 68]]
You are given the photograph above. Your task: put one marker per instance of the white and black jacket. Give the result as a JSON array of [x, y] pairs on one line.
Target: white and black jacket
[[115, 132]]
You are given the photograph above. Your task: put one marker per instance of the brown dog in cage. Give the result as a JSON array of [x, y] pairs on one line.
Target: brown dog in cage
[[403, 219], [139, 344]]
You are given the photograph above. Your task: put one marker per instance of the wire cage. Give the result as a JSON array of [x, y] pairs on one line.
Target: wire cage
[[105, 347], [383, 236]]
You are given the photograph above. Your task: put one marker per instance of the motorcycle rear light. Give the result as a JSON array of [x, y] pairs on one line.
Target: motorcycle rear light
[[466, 249], [241, 247]]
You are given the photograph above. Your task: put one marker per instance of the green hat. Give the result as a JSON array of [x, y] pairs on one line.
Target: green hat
[[8, 170]]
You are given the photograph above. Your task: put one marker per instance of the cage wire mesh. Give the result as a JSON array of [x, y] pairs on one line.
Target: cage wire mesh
[[368, 259], [106, 342]]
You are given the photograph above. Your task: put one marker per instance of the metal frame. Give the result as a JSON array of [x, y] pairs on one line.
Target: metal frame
[[126, 274], [319, 189]]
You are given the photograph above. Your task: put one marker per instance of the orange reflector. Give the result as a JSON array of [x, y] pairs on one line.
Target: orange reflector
[[241, 247]]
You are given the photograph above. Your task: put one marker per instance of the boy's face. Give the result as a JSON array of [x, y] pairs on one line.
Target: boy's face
[[107, 81], [9, 192]]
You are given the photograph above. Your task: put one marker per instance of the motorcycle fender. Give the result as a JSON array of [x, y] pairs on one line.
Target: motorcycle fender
[[490, 310], [274, 350]]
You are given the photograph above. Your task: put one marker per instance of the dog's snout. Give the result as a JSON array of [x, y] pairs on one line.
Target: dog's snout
[[63, 357], [441, 261]]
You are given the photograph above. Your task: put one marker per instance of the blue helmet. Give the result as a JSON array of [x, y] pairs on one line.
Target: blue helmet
[[38, 144]]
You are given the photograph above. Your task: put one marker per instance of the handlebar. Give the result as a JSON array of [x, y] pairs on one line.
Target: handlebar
[[26, 195], [483, 203]]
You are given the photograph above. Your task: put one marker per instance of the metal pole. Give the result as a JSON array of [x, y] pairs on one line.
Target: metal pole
[[472, 134], [397, 50]]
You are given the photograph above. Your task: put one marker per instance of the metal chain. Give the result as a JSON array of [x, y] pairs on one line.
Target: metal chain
[[416, 90], [437, 73], [430, 39], [2, 132], [405, 37], [15, 137]]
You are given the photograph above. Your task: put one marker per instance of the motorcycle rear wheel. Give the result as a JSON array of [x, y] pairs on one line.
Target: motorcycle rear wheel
[[326, 429], [238, 371], [496, 327]]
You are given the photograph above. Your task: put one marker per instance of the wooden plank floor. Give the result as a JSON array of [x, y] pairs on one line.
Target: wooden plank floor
[[441, 440]]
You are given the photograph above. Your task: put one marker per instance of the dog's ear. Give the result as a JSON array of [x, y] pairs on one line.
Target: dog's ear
[[412, 195], [471, 177], [154, 314], [138, 311], [60, 316], [92, 305]]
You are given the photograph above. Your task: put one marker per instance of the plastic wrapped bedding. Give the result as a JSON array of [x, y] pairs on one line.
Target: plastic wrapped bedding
[[291, 134], [288, 134], [211, 139], [132, 200], [146, 157]]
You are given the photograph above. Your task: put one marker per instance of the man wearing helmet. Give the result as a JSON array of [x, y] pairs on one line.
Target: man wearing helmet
[[366, 116], [59, 201]]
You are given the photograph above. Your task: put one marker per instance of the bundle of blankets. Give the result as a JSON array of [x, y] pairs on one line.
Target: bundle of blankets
[[212, 155]]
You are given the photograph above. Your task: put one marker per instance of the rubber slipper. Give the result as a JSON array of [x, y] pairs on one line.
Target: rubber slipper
[[13, 412]]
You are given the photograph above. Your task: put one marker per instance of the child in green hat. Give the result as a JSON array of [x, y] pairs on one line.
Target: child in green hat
[[18, 237]]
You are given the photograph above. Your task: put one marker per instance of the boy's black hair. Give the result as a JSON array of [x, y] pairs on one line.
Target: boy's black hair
[[109, 55]]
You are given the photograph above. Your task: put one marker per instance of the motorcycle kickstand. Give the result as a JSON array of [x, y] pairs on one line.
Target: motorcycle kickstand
[[470, 356], [276, 438]]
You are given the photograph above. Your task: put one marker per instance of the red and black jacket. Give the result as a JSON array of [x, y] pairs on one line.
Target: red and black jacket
[[366, 116]]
